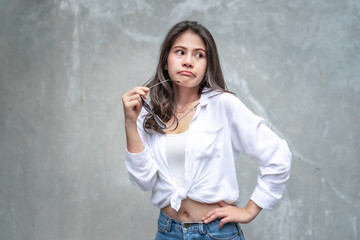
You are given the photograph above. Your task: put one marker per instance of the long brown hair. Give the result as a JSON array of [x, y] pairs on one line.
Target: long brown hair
[[162, 95]]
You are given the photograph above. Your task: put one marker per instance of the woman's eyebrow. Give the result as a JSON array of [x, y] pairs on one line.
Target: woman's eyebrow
[[200, 49], [196, 49]]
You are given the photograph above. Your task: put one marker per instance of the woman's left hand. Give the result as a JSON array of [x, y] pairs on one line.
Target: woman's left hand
[[229, 213]]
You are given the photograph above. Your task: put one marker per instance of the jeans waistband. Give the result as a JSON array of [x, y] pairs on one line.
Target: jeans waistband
[[178, 224]]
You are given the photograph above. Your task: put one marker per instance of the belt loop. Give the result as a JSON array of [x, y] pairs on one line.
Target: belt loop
[[201, 229], [168, 224], [238, 228]]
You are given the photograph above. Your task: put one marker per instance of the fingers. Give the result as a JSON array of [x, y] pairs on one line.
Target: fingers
[[132, 98], [227, 213], [213, 215], [223, 222], [135, 92], [132, 103], [217, 213]]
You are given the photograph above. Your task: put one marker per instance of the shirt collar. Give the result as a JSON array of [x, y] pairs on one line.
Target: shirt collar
[[206, 94]]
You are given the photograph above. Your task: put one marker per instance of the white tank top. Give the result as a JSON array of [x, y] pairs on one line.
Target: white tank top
[[175, 155]]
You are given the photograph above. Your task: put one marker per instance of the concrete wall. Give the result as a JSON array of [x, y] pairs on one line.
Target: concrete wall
[[64, 66]]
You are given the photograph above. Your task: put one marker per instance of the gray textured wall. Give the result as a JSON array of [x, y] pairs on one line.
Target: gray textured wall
[[64, 66]]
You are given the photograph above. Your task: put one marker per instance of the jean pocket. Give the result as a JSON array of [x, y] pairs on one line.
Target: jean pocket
[[229, 231]]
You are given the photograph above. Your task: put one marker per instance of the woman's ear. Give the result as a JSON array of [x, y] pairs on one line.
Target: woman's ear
[[166, 67]]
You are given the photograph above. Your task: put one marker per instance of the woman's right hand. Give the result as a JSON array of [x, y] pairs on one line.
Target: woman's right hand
[[132, 107], [132, 104]]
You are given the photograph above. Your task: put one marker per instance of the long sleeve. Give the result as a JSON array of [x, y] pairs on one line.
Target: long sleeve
[[141, 166], [142, 169], [271, 154]]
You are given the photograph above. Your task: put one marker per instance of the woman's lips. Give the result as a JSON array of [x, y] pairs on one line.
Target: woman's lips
[[187, 73]]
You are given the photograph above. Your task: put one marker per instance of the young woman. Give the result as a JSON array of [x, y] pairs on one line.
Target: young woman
[[184, 143]]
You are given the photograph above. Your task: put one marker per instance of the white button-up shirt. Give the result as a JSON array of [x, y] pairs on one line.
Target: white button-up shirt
[[221, 129]]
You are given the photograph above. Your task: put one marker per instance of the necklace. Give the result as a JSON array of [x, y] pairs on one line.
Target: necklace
[[184, 109], [183, 116]]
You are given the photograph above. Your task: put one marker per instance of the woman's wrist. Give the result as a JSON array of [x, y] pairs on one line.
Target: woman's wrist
[[252, 209], [130, 123]]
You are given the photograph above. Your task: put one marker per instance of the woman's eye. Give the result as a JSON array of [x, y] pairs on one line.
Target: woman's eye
[[180, 52], [199, 55]]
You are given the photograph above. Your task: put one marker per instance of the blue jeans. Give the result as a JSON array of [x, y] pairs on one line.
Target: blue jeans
[[169, 229]]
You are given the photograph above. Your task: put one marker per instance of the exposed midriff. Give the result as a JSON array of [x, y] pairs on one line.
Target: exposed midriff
[[190, 210]]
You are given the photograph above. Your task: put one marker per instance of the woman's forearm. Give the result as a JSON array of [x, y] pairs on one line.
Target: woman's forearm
[[133, 140]]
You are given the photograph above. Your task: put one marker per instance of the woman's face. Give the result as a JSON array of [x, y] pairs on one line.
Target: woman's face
[[186, 63]]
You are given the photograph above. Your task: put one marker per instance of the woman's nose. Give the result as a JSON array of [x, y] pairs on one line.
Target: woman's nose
[[188, 61]]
